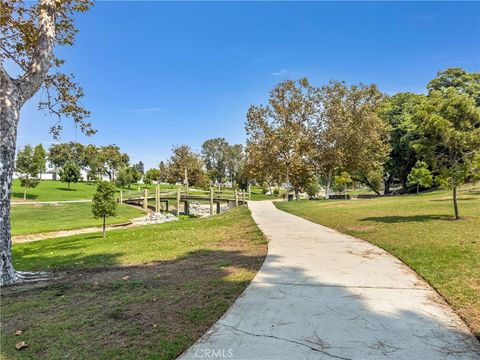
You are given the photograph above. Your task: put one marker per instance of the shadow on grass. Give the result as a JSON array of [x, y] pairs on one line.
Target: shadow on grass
[[19, 195], [458, 199], [66, 189], [404, 219], [155, 310]]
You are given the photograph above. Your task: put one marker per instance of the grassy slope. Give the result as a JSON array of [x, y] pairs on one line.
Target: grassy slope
[[50, 190], [30, 219], [420, 232], [145, 292]]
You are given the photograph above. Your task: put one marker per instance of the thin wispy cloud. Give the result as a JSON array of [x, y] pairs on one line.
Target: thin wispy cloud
[[148, 109], [282, 72]]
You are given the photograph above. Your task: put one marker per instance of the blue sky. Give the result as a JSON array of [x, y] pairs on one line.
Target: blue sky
[[160, 73]]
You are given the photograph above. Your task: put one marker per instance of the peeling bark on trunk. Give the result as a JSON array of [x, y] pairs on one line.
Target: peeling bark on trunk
[[9, 115], [13, 94]]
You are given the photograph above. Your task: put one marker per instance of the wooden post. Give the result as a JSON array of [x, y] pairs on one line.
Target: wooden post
[[145, 200], [211, 200], [249, 191], [186, 180], [186, 208], [218, 207], [236, 198], [243, 196], [157, 199], [178, 201], [120, 199]]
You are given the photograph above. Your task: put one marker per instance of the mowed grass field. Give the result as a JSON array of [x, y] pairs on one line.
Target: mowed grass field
[[54, 190], [419, 230], [141, 293], [38, 218]]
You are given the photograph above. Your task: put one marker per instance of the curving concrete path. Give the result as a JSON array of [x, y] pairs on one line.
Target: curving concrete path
[[321, 294]]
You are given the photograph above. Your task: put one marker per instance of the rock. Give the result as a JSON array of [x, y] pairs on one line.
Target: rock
[[154, 218]]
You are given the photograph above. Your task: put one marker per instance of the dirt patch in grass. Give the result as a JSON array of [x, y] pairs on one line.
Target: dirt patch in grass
[[151, 311]]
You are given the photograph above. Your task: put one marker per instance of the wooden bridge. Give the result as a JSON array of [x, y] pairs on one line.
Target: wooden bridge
[[161, 198]]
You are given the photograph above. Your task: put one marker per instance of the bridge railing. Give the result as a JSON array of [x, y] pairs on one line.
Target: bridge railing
[[233, 197]]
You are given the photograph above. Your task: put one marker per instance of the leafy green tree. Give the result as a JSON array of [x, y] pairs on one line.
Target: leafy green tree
[[124, 178], [349, 133], [152, 175], [135, 174], [104, 203], [60, 154], [95, 163], [214, 153], [313, 187], [184, 159], [140, 167], [70, 173], [113, 159], [420, 176], [342, 181], [458, 78], [40, 159], [27, 169], [234, 162], [448, 124], [397, 112], [163, 172], [278, 136]]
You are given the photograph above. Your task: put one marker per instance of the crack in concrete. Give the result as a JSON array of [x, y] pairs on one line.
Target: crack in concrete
[[287, 340], [341, 286]]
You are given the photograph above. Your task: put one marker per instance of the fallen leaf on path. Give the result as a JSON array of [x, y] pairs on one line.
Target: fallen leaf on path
[[18, 332], [126, 277], [21, 345]]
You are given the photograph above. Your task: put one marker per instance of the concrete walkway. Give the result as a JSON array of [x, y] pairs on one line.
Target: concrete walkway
[[324, 295]]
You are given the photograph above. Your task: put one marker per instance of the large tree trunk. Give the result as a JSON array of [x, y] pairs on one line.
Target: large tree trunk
[[13, 94], [9, 115]]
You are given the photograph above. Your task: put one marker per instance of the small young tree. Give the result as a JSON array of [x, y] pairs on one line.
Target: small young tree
[[448, 126], [312, 188], [420, 175], [124, 178], [104, 203], [70, 173], [27, 169], [40, 159], [342, 181]]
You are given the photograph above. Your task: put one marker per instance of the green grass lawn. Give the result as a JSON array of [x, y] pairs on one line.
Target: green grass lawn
[[257, 194], [142, 293], [420, 231], [31, 219], [54, 190]]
